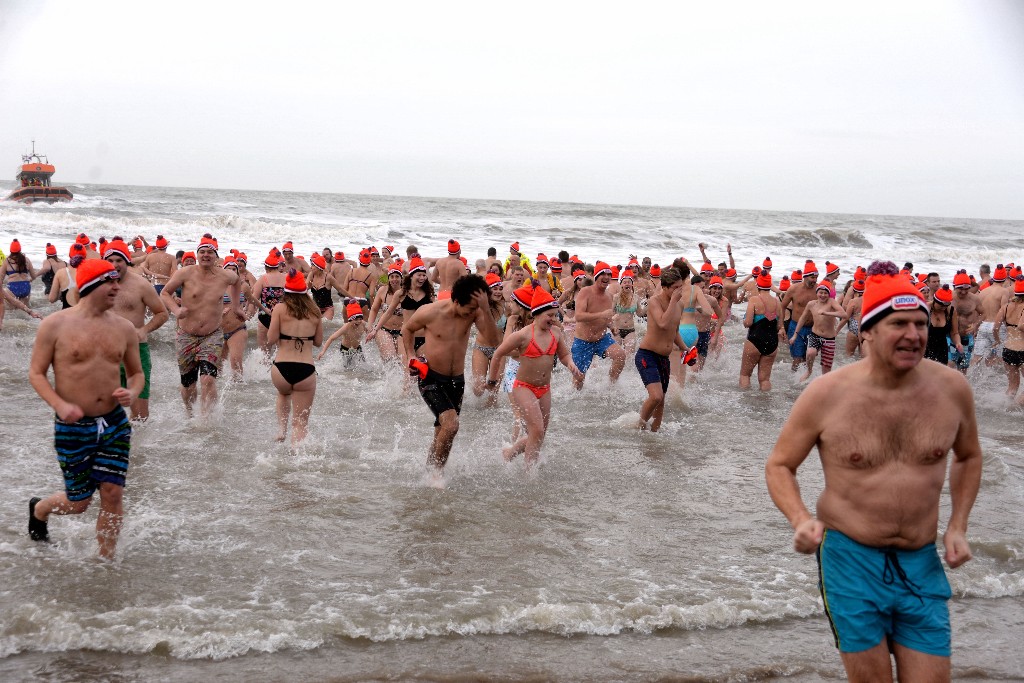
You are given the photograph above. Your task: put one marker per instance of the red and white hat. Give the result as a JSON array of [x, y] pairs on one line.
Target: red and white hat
[[161, 242], [493, 280], [601, 268], [885, 294], [207, 242], [453, 248], [318, 261], [961, 280], [541, 301], [93, 273], [353, 311], [810, 269], [119, 248], [365, 257], [295, 282], [416, 264]]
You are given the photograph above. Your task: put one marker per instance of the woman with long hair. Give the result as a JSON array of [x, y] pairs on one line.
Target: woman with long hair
[[296, 327], [626, 305], [415, 292], [321, 282], [387, 333]]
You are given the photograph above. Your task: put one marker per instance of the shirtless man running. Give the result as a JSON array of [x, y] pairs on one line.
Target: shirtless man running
[[877, 518], [653, 357], [86, 345], [200, 338], [970, 312], [136, 296], [440, 367], [993, 299], [594, 313], [799, 296]]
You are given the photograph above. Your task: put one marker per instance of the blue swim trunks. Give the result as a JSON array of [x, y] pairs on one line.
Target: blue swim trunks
[[583, 352], [689, 334], [870, 593], [654, 368], [703, 341], [798, 349], [92, 451], [962, 360], [20, 288]]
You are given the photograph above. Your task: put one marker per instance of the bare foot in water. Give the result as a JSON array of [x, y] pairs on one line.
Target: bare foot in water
[[641, 425], [509, 454], [279, 437]]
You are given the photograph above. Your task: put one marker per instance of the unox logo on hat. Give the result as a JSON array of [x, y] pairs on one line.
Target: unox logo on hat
[[903, 302]]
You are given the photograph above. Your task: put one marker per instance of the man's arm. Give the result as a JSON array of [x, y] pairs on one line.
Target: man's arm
[[798, 436], [964, 478], [155, 304], [167, 294]]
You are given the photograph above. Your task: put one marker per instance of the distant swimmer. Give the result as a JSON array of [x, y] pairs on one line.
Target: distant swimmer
[[267, 292], [798, 297], [1013, 349], [86, 345], [538, 345], [199, 338], [64, 288], [994, 298], [876, 522], [440, 364], [159, 265], [449, 269], [485, 344], [970, 312], [135, 297], [19, 273], [822, 315], [360, 282]]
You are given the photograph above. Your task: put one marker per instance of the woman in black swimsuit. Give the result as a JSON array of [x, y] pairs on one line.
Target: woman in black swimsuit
[[321, 282], [389, 336], [296, 327], [762, 323], [415, 292], [943, 330]]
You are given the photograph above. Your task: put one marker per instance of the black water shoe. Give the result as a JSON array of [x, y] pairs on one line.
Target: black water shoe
[[36, 527]]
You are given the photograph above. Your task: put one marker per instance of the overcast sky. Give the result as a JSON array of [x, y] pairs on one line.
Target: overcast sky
[[909, 107]]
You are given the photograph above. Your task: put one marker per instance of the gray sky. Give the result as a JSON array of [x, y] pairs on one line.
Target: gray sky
[[910, 107]]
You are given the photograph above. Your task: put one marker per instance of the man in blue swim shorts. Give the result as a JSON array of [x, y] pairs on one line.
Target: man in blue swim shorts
[[880, 575], [594, 312], [970, 311], [86, 345], [799, 297]]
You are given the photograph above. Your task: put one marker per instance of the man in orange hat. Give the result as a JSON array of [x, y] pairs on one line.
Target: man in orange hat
[[993, 299], [594, 312], [86, 346], [798, 297], [290, 261], [199, 339], [653, 357], [822, 315], [969, 312], [876, 521], [134, 298], [448, 269], [440, 365], [159, 265]]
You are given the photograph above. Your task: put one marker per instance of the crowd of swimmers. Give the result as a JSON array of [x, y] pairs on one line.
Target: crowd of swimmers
[[912, 331]]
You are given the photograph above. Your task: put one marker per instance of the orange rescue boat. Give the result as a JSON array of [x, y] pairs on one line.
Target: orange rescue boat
[[34, 181]]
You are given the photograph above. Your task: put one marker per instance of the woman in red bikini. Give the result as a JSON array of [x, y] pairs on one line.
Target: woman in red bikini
[[538, 344]]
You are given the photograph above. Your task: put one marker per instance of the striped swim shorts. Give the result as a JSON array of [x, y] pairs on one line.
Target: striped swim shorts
[[92, 451]]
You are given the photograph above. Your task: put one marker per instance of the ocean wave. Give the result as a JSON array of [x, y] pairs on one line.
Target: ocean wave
[[199, 631], [821, 238]]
